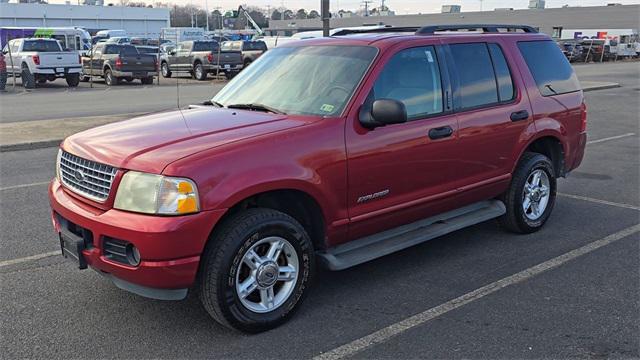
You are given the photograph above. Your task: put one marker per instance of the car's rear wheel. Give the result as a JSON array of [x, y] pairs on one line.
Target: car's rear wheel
[[255, 270], [28, 80], [531, 196], [72, 79], [198, 72], [165, 70], [109, 79]]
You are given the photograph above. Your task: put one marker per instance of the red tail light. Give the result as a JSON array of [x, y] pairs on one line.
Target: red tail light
[[118, 63], [583, 117], [36, 59], [210, 57]]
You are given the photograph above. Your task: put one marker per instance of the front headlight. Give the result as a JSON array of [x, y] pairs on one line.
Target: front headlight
[[156, 194]]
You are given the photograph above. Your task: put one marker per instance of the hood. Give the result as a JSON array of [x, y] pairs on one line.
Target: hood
[[151, 142]]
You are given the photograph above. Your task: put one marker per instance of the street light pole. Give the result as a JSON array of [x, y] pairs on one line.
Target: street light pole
[[324, 9]]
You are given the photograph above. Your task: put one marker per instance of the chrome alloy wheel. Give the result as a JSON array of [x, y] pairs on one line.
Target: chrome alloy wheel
[[535, 196], [267, 274]]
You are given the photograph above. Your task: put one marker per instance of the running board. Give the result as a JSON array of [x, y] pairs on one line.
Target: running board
[[374, 246]]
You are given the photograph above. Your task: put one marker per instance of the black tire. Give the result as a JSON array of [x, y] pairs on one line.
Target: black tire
[[515, 219], [198, 72], [224, 253], [147, 80], [246, 63], [109, 79], [164, 67], [230, 75], [28, 80], [84, 78], [42, 81], [73, 79]]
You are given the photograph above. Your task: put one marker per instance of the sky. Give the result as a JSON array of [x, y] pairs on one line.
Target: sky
[[399, 6]]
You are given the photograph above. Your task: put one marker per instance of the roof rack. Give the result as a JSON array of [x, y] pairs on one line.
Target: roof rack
[[491, 28], [432, 29]]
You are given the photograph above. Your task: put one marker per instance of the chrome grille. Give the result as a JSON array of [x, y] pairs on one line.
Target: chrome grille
[[85, 177]]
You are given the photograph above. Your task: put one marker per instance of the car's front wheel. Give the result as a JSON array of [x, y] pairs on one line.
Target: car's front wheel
[[255, 270], [531, 196]]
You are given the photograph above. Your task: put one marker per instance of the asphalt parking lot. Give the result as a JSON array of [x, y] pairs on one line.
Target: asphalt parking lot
[[568, 291]]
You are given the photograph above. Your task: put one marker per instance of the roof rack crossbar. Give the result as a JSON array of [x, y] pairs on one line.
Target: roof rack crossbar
[[492, 28]]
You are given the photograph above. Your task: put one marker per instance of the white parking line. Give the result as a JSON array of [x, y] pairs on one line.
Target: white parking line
[[28, 258], [24, 185], [610, 138], [598, 201], [398, 328]]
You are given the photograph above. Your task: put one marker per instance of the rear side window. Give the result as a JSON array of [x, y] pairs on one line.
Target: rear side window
[[475, 73], [503, 76], [412, 76], [550, 69]]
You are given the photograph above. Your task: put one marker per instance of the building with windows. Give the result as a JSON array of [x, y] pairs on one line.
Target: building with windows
[[137, 21], [549, 21]]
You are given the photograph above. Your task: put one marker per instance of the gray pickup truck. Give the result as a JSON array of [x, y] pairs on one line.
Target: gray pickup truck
[[200, 58], [115, 62], [251, 50]]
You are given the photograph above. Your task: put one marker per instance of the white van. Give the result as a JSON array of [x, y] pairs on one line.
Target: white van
[[111, 33]]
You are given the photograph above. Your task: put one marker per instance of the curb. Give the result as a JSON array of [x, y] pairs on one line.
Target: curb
[[601, 87], [55, 142], [30, 145]]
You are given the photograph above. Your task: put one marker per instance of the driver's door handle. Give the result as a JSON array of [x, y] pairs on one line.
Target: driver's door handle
[[440, 132]]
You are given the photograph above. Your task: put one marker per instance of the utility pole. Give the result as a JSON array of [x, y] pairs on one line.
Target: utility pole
[[366, 7], [206, 9], [324, 9]]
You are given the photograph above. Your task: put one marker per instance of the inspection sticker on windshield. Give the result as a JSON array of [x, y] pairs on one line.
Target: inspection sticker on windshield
[[327, 107]]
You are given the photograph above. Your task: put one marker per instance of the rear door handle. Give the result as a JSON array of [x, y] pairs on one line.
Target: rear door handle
[[519, 115], [441, 132]]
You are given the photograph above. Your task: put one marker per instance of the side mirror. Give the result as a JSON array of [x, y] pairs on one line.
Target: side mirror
[[383, 112]]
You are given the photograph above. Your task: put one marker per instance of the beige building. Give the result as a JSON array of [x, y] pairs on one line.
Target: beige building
[[550, 21]]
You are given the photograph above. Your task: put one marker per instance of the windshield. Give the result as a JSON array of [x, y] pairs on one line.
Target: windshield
[[306, 80]]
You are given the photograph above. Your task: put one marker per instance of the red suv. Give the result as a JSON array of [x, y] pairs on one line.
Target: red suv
[[338, 149]]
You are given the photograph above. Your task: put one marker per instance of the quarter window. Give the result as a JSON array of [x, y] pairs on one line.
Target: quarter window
[[412, 76], [550, 69], [477, 79]]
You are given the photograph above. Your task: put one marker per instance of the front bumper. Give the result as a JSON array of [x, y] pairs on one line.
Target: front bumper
[[170, 247]]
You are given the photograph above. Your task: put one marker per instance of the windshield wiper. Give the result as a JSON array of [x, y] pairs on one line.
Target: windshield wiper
[[212, 103], [256, 107]]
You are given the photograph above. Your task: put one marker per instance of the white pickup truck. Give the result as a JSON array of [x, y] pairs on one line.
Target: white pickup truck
[[41, 60]]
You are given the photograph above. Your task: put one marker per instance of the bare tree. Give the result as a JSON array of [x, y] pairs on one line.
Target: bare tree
[[301, 14], [313, 14]]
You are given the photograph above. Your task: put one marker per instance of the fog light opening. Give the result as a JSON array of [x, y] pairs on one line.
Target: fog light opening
[[133, 255]]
